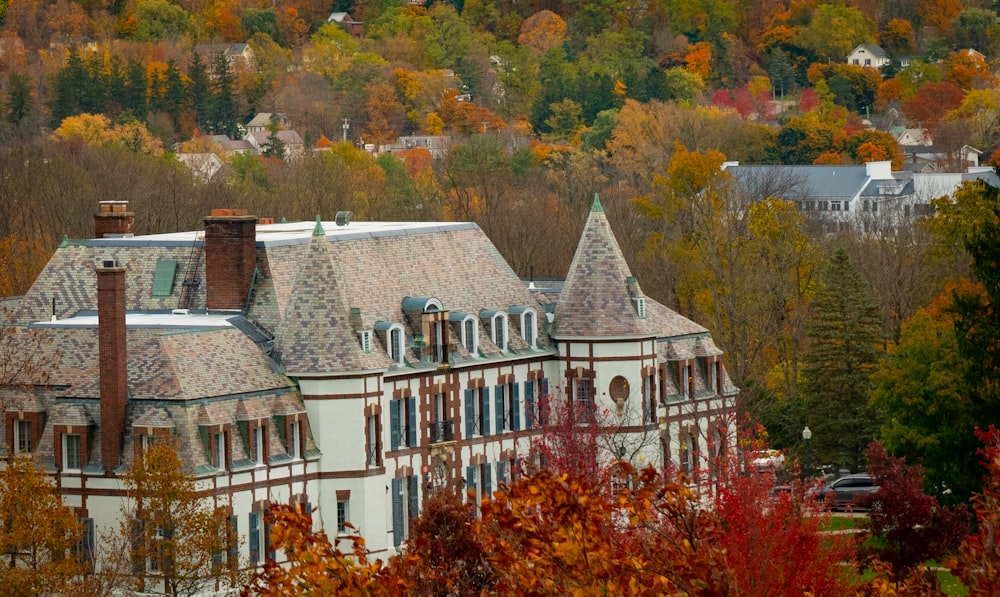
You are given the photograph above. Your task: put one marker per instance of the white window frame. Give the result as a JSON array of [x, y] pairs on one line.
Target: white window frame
[[22, 435], [67, 439], [640, 307], [295, 441], [498, 330], [529, 330], [471, 344], [341, 529], [399, 358], [219, 443], [258, 444]]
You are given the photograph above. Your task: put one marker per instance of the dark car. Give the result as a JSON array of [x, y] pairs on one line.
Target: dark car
[[849, 491]]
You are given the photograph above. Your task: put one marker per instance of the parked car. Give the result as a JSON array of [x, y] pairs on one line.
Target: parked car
[[768, 460], [848, 491]]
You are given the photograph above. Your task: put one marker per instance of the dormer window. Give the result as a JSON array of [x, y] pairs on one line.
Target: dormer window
[[640, 307], [470, 335], [394, 343], [529, 329], [366, 340], [499, 330]]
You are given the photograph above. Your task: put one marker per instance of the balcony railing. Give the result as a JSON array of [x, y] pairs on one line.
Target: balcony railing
[[442, 431]]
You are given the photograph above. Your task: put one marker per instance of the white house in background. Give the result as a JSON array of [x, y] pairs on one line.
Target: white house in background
[[837, 196], [261, 123], [204, 166], [350, 366], [868, 55]]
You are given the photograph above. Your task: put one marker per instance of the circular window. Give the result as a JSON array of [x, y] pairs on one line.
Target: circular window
[[619, 389]]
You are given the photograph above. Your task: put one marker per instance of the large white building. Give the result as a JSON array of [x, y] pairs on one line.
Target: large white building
[[350, 366]]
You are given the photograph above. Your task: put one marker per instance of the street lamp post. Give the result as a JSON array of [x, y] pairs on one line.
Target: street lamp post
[[806, 436]]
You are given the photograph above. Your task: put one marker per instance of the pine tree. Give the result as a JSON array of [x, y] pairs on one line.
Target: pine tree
[[135, 90], [274, 147], [200, 92], [174, 98], [224, 114], [68, 89], [19, 102], [844, 333]]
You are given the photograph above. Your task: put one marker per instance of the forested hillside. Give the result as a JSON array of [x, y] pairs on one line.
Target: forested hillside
[[545, 103]]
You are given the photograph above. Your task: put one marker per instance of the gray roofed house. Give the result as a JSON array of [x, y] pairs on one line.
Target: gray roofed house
[[868, 55], [848, 195], [345, 365]]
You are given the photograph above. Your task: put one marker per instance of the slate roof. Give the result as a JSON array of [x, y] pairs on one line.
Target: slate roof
[[160, 366], [374, 272], [317, 335], [813, 182], [597, 298]]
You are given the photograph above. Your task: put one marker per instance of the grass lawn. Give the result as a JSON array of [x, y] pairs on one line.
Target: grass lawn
[[841, 523]]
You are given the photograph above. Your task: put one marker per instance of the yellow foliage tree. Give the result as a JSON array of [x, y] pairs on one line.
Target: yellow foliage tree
[[39, 535]]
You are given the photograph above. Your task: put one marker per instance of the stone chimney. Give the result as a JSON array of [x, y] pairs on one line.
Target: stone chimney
[[114, 220], [230, 257], [112, 359]]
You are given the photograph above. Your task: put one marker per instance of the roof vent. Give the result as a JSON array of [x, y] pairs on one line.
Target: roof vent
[[344, 217]]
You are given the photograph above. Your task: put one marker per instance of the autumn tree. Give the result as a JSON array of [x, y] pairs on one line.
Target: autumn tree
[[180, 543], [911, 525], [315, 565], [931, 103], [444, 555], [844, 336], [977, 561], [835, 30], [542, 31], [41, 538]]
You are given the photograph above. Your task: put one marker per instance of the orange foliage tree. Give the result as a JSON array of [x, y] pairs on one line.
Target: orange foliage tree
[[542, 31], [977, 563]]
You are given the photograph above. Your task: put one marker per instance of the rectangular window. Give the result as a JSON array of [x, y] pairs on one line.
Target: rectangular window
[[396, 345], [343, 515], [403, 423], [84, 550], [714, 369], [147, 441], [256, 536], [220, 450], [258, 444], [529, 329], [470, 337], [71, 451], [366, 341], [649, 397], [405, 505], [373, 452], [500, 408], [295, 441], [22, 437], [440, 349], [835, 205], [583, 397], [163, 278]]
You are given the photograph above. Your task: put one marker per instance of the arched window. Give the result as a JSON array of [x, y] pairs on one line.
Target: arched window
[[499, 325], [394, 344]]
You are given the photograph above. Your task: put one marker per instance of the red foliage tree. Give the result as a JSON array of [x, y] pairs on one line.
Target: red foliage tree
[[977, 563], [808, 100], [913, 525], [931, 103]]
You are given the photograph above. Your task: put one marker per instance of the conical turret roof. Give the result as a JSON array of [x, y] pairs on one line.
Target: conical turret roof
[[598, 298]]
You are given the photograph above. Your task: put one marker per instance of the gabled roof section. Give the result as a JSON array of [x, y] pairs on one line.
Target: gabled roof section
[[317, 335], [595, 300]]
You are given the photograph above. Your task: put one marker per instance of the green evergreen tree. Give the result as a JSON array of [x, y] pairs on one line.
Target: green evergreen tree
[[97, 84], [18, 105], [200, 92], [135, 88], [224, 115], [274, 147], [116, 86], [68, 89], [174, 98], [844, 333]]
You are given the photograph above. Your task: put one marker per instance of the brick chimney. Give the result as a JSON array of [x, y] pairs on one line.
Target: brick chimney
[[112, 359], [230, 257], [113, 220]]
